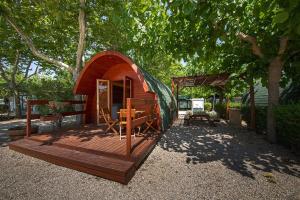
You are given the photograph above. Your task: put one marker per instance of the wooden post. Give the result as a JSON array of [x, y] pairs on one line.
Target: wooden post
[[252, 107], [28, 118], [177, 91], [172, 85], [227, 108], [128, 128], [98, 109]]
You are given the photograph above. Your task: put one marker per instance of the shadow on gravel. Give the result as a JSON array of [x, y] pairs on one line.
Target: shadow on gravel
[[4, 140], [238, 149]]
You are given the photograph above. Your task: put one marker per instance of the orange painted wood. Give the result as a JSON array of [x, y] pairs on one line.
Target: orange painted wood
[[128, 128], [139, 121], [28, 119], [113, 66], [106, 167], [73, 113], [88, 142], [37, 102]]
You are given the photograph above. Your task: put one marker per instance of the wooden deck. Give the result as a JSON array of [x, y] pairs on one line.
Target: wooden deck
[[90, 150]]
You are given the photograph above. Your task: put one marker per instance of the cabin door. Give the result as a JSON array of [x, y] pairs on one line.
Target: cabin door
[[103, 98], [127, 90]]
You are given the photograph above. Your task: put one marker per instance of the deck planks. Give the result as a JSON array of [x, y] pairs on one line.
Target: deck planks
[[88, 151]]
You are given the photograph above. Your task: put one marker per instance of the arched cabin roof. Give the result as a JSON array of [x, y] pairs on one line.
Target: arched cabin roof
[[96, 67]]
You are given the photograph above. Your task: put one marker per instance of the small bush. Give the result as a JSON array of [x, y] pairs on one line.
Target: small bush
[[4, 108], [288, 124], [260, 119], [220, 108], [234, 105], [207, 106]]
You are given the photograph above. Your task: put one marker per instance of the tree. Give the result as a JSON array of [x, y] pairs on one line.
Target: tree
[[42, 12], [15, 65], [209, 30], [287, 25], [15, 74]]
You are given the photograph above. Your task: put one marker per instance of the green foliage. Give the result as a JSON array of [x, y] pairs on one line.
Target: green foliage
[[234, 105], [54, 107], [199, 112], [167, 38], [220, 108], [4, 108], [288, 124], [260, 119], [207, 106], [44, 110], [58, 88]]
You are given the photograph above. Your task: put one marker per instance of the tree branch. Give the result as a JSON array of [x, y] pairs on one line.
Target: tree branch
[[35, 72], [82, 36], [34, 50], [2, 72], [27, 68], [283, 45], [15, 67], [256, 50]]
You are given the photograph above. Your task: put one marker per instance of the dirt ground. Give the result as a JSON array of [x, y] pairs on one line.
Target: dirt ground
[[189, 162]]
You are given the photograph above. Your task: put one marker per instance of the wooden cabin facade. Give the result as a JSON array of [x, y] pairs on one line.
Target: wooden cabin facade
[[109, 80]]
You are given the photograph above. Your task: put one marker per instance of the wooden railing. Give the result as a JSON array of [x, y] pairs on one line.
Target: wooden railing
[[150, 110], [33, 102]]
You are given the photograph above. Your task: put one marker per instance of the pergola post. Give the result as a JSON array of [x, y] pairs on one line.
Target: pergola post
[[172, 86], [28, 119], [227, 107], [177, 91], [252, 107]]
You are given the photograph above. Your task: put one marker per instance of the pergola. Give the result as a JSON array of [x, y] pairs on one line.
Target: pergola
[[214, 80]]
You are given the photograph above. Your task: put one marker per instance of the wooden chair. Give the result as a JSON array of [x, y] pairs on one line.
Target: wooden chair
[[108, 120], [152, 118], [123, 122]]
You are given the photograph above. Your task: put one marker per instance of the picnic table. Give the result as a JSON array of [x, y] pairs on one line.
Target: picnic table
[[200, 117]]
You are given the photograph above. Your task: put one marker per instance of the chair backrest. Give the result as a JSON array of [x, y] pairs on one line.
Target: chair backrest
[[105, 114], [123, 115]]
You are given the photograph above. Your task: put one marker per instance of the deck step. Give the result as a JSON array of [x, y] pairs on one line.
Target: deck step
[[98, 165]]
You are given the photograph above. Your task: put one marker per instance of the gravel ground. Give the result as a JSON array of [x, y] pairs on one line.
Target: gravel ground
[[195, 162]]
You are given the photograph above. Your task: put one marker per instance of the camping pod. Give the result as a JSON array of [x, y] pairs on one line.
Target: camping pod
[[120, 78]]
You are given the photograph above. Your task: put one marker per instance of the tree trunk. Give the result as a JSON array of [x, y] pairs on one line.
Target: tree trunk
[[221, 97], [252, 106], [78, 107], [227, 108], [274, 75], [79, 55], [18, 113]]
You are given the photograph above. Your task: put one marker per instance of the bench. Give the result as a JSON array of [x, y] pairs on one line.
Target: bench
[[200, 117]]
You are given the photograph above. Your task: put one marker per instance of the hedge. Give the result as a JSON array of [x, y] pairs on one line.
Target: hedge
[[207, 106], [220, 108], [287, 122], [4, 108], [260, 119]]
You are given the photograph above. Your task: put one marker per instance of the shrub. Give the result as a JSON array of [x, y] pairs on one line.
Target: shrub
[[220, 108], [4, 108], [207, 106], [234, 105], [288, 124], [260, 119]]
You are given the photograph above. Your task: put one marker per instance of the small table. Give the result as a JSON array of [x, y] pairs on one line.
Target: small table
[[200, 117], [136, 112]]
